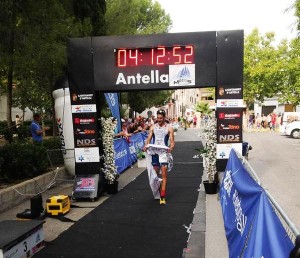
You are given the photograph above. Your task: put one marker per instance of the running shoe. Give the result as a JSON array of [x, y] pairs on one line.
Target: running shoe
[[162, 200]]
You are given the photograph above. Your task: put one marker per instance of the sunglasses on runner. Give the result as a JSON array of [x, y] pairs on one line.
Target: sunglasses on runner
[[161, 112]]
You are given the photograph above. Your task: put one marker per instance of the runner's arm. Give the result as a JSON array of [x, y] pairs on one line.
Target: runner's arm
[[172, 141], [149, 138]]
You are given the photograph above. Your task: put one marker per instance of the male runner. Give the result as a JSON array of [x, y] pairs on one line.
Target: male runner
[[162, 134]]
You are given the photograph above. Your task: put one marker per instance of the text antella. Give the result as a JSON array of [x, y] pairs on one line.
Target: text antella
[[154, 77]]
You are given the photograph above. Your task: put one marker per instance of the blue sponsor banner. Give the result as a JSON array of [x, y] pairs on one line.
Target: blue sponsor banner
[[113, 103], [253, 229], [125, 152], [268, 238], [122, 155], [138, 141], [133, 152], [239, 200]]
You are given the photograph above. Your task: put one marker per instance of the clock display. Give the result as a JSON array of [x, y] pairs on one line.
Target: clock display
[[157, 56]]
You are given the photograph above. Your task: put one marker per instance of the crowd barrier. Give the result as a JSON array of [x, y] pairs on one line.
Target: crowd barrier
[[255, 225], [126, 150]]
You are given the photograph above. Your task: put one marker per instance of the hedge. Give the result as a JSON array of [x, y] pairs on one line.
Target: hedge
[[25, 159]]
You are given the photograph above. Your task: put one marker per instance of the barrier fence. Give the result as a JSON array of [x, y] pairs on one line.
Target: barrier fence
[[255, 224]]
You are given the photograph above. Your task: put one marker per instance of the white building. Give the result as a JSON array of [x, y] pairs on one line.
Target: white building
[[271, 104], [15, 111]]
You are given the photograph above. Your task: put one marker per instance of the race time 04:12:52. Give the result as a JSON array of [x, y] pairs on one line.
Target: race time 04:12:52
[[156, 56]]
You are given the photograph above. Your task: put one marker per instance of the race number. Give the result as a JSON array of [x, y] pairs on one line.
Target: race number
[[163, 158]]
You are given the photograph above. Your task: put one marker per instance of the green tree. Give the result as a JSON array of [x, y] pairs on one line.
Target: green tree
[[263, 66], [141, 100], [91, 13], [290, 92], [203, 108], [128, 17]]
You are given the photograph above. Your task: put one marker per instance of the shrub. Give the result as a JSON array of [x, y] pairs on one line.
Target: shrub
[[22, 159]]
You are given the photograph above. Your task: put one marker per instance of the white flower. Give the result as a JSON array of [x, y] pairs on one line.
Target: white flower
[[208, 136], [109, 167]]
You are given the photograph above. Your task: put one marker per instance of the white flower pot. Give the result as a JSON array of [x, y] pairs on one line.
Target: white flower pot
[[142, 163]]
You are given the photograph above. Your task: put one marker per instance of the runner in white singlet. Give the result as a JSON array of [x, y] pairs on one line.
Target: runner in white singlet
[[162, 134]]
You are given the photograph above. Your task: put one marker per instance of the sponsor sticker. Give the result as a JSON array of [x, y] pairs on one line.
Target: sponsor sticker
[[84, 108], [182, 75], [84, 155], [229, 103], [223, 150]]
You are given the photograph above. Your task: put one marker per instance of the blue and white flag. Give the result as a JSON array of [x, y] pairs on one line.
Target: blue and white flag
[[113, 103], [253, 229], [239, 200], [268, 238]]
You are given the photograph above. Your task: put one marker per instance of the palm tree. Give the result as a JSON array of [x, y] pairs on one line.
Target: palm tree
[[203, 107]]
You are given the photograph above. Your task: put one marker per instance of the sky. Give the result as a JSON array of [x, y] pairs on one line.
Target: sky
[[214, 15]]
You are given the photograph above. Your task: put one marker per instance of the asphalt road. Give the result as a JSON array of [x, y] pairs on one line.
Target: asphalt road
[[275, 159]]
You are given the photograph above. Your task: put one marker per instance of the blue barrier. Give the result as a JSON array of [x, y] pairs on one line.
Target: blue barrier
[[125, 151], [252, 227]]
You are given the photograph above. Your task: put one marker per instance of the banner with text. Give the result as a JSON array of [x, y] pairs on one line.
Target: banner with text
[[246, 214], [113, 103]]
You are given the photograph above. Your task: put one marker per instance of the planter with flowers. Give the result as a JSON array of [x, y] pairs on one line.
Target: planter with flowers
[[109, 167], [141, 159], [208, 153]]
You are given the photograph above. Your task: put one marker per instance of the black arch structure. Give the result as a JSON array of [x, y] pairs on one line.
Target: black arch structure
[[218, 62]]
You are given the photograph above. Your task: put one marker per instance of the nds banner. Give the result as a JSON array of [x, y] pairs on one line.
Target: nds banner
[[113, 103], [253, 229]]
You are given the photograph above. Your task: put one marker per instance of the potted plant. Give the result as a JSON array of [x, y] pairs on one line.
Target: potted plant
[[208, 153], [109, 166], [141, 158]]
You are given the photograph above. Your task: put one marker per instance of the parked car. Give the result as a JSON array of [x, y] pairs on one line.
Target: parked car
[[293, 129], [288, 117]]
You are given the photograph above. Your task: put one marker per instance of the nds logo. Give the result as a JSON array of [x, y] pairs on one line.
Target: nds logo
[[229, 138], [85, 142]]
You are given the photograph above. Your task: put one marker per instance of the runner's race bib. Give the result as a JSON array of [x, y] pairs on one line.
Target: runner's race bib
[[163, 158]]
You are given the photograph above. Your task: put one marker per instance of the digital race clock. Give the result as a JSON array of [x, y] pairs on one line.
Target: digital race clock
[[157, 56]]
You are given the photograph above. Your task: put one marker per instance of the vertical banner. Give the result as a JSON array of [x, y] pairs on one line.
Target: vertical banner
[[251, 225], [229, 91], [83, 106], [85, 128], [113, 103], [239, 195]]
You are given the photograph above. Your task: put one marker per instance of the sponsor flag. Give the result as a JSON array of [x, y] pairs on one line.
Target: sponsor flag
[[239, 200], [268, 238], [113, 103], [252, 227]]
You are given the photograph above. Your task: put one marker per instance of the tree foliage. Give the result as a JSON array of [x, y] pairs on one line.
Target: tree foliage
[[270, 70], [128, 17], [141, 100], [203, 108]]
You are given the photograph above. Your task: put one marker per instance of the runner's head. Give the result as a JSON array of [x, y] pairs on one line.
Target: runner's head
[[161, 114]]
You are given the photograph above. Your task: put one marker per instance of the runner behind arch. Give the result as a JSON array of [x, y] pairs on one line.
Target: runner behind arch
[[162, 134]]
